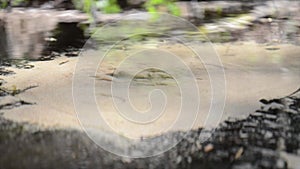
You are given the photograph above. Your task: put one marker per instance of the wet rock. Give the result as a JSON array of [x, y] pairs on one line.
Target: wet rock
[[2, 82], [14, 104], [25, 31], [70, 38], [4, 72], [72, 54], [49, 55]]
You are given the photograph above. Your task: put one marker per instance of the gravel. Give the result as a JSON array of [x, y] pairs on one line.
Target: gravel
[[253, 142]]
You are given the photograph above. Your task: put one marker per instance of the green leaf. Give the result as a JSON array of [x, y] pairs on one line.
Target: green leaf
[[174, 9]]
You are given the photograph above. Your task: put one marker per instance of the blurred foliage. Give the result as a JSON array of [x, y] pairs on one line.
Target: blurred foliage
[[17, 2], [154, 6], [88, 6], [3, 3], [219, 11], [111, 6]]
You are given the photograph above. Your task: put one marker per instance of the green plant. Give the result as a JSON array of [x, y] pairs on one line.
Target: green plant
[[89, 6], [153, 6], [111, 6], [3, 3], [17, 2]]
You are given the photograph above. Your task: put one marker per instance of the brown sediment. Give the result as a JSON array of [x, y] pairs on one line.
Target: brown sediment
[[252, 72]]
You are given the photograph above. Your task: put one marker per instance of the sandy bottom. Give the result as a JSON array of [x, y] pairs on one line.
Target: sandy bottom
[[252, 72]]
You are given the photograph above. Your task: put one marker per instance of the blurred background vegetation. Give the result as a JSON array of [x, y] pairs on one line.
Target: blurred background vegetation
[[107, 6]]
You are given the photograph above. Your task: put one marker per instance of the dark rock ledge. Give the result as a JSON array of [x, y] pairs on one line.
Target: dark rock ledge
[[267, 138]]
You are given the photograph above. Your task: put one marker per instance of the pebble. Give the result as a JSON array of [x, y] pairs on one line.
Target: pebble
[[257, 114], [239, 153], [243, 135], [178, 160], [271, 117], [268, 135], [54, 54], [45, 58], [189, 160], [198, 144], [280, 164], [208, 148], [28, 66], [72, 54]]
